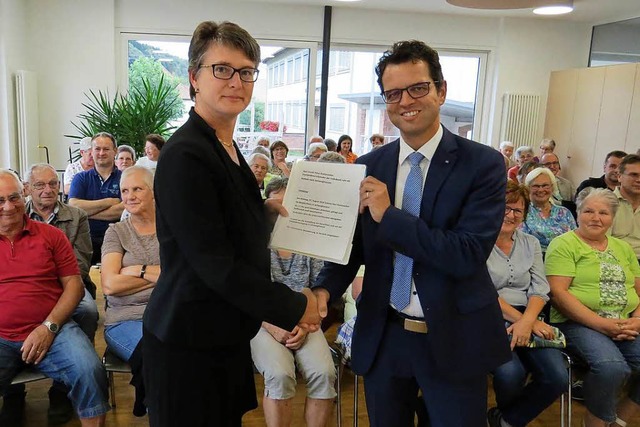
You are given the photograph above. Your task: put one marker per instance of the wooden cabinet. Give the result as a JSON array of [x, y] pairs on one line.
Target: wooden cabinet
[[590, 112]]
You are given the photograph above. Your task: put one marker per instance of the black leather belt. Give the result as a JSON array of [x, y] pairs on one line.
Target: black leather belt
[[408, 323]]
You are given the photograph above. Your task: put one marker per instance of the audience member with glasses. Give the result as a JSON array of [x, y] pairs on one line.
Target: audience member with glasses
[[626, 224], [545, 220], [534, 378], [566, 189], [45, 206], [314, 151], [279, 165], [428, 314], [215, 289], [595, 282]]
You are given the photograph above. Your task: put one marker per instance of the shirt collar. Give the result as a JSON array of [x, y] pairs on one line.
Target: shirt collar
[[32, 214], [427, 150]]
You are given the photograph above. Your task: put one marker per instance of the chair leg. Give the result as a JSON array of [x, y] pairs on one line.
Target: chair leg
[[339, 397], [355, 400], [566, 410], [112, 390]]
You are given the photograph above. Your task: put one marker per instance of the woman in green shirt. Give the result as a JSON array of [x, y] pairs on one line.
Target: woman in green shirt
[[595, 281]]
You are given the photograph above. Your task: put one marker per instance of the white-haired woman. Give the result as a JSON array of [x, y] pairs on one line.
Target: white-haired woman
[[545, 220], [523, 155], [130, 269], [260, 164], [595, 282], [315, 150]]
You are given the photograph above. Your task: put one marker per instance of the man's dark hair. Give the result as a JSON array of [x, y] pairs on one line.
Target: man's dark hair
[[615, 153], [630, 159], [105, 135], [414, 51]]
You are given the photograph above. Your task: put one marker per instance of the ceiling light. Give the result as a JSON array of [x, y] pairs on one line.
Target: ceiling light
[[554, 9]]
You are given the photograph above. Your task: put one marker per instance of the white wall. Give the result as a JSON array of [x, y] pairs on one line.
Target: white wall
[[13, 57], [528, 50], [74, 43]]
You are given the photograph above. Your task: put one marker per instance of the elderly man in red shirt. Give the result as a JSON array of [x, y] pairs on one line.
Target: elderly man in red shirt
[[40, 287]]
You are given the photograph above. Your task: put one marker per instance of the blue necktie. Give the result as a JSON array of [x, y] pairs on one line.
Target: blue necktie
[[403, 268]]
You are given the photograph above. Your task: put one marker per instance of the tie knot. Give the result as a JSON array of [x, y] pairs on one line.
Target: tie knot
[[415, 158]]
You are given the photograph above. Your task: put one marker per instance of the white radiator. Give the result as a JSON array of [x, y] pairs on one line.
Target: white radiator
[[520, 119], [27, 117]]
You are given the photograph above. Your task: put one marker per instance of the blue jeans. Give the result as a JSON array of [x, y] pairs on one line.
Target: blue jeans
[[521, 402], [610, 363], [86, 316], [122, 338], [71, 360]]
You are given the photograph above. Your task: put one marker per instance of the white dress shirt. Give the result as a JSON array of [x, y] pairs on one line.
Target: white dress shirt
[[414, 308]]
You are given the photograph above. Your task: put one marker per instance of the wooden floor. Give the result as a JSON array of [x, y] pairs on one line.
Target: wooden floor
[[37, 401]]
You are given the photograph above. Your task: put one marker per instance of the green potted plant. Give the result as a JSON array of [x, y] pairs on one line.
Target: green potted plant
[[147, 108]]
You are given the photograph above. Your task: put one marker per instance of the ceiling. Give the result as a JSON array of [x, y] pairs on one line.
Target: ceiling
[[590, 11]]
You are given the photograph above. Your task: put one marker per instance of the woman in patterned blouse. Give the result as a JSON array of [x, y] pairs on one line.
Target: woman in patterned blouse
[[595, 280], [545, 220]]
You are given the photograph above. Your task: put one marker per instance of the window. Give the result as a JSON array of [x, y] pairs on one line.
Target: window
[[336, 119], [357, 109]]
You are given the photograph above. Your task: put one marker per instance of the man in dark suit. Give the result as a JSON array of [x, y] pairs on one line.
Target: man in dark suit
[[428, 314]]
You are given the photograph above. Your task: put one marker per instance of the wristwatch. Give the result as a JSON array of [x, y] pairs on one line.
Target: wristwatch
[[52, 327]]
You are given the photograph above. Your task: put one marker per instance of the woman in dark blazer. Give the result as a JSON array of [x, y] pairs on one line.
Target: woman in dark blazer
[[214, 290]]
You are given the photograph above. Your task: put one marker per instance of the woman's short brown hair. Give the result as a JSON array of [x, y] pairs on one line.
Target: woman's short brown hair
[[226, 34], [277, 144], [156, 140], [516, 192]]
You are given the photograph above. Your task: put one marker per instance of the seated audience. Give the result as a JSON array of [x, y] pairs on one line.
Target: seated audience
[[610, 178], [331, 144], [152, 146], [315, 138], [626, 224], [594, 281], [260, 149], [332, 157], [506, 148], [263, 141], [130, 269], [41, 287], [97, 191], [45, 206], [260, 164], [547, 146], [535, 377], [314, 151], [376, 140], [280, 166], [545, 220], [125, 157], [566, 190], [276, 353], [523, 155], [345, 144], [85, 162], [525, 169]]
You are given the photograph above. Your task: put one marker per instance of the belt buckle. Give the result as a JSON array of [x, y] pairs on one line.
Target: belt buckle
[[416, 326]]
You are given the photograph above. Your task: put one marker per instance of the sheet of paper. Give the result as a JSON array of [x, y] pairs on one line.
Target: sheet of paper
[[322, 200]]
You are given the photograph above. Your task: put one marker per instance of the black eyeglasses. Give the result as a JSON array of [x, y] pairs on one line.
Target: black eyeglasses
[[415, 91], [225, 72], [549, 164]]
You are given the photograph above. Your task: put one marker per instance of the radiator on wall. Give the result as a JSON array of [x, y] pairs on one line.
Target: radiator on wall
[[27, 118], [520, 119]]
